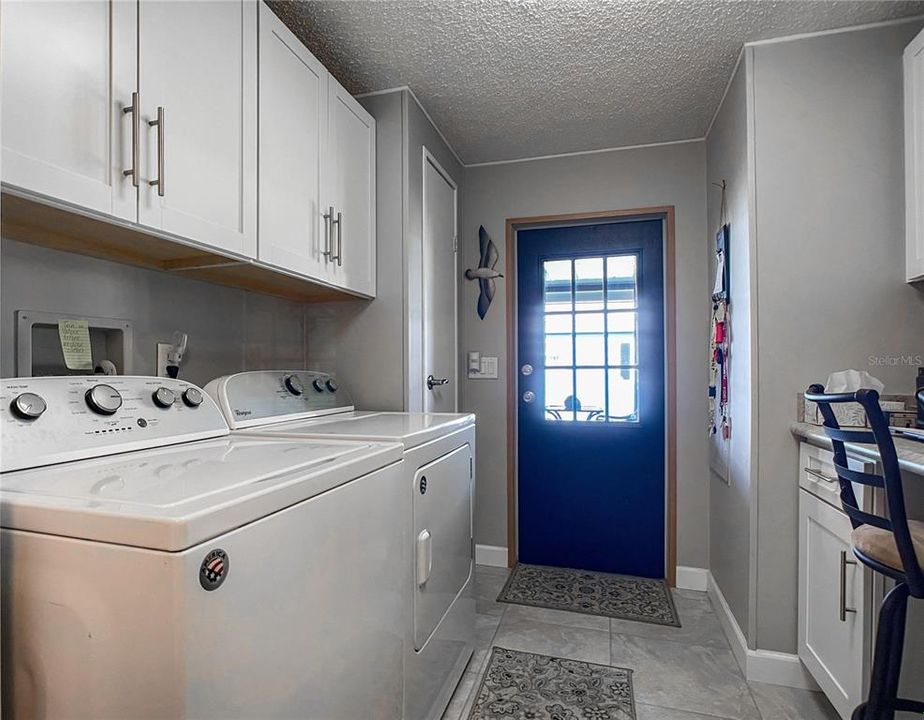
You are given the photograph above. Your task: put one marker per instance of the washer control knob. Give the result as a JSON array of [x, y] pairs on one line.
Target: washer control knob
[[103, 399], [164, 397], [293, 384], [318, 384], [192, 397], [331, 384], [28, 406]]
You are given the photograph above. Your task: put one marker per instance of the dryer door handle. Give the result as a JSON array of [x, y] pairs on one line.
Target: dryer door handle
[[424, 557]]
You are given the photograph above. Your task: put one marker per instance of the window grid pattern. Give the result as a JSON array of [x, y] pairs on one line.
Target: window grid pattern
[[590, 332]]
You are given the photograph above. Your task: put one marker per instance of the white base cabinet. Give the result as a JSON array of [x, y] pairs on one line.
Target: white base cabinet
[[834, 590], [839, 598], [914, 158]]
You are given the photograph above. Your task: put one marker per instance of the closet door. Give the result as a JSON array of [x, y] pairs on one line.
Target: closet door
[[293, 122], [68, 70], [198, 77], [350, 184]]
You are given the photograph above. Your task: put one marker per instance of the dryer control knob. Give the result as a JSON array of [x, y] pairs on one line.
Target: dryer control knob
[[164, 397], [318, 384], [103, 399], [192, 397], [331, 384], [28, 406], [293, 384]]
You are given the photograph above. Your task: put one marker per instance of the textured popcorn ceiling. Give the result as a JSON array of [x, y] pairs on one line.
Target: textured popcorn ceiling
[[521, 78]]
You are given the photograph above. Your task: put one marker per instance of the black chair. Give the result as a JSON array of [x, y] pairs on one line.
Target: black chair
[[893, 545]]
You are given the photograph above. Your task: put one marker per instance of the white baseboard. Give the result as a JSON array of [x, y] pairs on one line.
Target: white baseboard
[[492, 555], [767, 666], [692, 578]]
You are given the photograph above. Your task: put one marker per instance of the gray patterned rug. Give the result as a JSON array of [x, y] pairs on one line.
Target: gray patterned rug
[[592, 593], [523, 686]]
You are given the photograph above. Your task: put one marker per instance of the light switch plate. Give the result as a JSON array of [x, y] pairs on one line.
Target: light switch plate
[[488, 369]]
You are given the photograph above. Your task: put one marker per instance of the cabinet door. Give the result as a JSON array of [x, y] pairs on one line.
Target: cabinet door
[[914, 158], [197, 60], [293, 121], [350, 184], [68, 70], [834, 622]]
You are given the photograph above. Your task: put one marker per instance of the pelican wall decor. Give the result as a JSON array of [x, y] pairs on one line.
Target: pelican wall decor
[[485, 273]]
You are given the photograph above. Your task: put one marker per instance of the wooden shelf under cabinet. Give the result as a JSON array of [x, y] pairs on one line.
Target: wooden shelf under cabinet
[[49, 225]]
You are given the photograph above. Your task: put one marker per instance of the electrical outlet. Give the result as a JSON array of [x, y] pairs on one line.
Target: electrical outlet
[[161, 366]]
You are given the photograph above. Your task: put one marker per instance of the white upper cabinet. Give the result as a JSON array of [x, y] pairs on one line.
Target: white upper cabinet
[[914, 158], [68, 70], [147, 111], [293, 126], [197, 72], [349, 189]]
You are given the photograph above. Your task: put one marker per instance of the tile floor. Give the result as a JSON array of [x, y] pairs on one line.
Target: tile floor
[[686, 673]]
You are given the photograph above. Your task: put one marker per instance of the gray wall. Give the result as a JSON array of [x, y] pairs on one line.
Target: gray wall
[[730, 487], [229, 330], [376, 347], [830, 253], [664, 175]]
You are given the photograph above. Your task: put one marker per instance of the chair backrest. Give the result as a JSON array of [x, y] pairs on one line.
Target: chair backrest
[[890, 481]]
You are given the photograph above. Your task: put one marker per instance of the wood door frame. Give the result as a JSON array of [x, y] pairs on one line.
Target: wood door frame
[[666, 213]]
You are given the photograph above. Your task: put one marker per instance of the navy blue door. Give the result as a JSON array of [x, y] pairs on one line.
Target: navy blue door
[[591, 397]]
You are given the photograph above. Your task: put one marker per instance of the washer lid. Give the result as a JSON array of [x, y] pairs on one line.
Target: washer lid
[[175, 497], [410, 429]]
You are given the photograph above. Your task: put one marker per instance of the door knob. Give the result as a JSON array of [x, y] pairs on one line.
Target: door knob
[[432, 382], [529, 396]]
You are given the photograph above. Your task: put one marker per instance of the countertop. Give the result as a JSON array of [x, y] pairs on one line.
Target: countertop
[[910, 452]]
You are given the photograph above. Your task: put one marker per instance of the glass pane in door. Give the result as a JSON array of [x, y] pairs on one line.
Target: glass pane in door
[[590, 327]]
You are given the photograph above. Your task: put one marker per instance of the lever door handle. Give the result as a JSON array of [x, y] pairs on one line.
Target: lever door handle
[[433, 382]]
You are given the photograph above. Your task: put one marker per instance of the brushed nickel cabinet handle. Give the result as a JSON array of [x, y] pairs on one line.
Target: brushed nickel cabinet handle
[[844, 609], [136, 131], [159, 124], [339, 239], [328, 233], [820, 475]]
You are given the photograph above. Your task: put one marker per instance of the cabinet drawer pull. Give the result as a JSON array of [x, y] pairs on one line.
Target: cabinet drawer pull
[[820, 475], [159, 124], [844, 609], [136, 131]]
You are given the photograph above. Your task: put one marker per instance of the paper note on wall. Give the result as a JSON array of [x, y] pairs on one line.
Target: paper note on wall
[[75, 344]]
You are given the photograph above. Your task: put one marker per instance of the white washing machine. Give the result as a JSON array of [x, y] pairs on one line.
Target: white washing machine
[[155, 566], [439, 451]]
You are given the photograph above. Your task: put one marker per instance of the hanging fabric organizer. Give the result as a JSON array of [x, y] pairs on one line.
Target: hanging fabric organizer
[[719, 339]]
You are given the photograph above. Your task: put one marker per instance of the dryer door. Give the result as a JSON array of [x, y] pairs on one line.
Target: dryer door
[[443, 538]]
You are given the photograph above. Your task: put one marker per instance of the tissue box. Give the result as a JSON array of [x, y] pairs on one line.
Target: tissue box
[[850, 414]]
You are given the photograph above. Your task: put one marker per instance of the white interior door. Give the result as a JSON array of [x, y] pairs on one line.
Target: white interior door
[[293, 118], [440, 278], [197, 61], [68, 70]]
